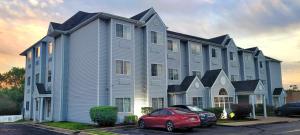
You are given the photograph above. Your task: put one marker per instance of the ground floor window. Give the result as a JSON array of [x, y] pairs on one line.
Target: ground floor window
[[198, 101], [27, 105], [48, 107], [223, 101], [123, 104], [259, 99], [36, 105], [157, 103]]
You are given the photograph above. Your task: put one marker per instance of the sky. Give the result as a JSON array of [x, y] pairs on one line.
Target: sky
[[271, 25]]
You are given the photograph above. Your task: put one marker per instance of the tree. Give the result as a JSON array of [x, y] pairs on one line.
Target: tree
[[15, 78]]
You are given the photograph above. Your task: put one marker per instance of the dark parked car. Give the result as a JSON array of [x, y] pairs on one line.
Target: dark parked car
[[207, 118], [288, 109], [170, 119]]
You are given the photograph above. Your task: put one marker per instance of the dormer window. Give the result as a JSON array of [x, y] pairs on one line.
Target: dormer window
[[123, 31], [50, 48], [37, 52], [173, 47], [213, 53]]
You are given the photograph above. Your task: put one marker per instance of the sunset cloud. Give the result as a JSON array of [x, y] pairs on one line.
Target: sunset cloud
[[273, 26]]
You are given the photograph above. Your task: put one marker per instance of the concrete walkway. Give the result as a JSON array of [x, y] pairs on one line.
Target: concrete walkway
[[262, 121]]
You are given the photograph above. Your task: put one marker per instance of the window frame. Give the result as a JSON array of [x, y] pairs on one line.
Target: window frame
[[125, 67], [37, 78], [231, 57], [213, 52], [158, 70], [171, 45], [28, 80], [123, 105], [197, 51], [174, 77], [260, 64], [49, 76], [194, 71], [126, 31], [159, 38], [38, 52], [159, 104], [29, 56], [198, 99], [50, 48]]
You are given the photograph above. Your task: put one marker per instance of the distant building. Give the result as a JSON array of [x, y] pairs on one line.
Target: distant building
[[95, 59]]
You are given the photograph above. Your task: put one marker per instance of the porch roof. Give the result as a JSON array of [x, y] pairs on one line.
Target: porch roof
[[210, 77], [41, 89], [277, 91], [245, 86], [185, 84]]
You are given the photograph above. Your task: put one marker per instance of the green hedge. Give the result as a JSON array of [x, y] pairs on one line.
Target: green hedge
[[130, 119], [216, 110], [104, 115], [8, 107]]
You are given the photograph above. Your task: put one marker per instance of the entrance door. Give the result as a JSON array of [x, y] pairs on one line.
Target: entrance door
[[276, 101]]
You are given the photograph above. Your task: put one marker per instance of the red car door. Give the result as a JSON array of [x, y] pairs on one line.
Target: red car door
[[151, 119], [164, 116]]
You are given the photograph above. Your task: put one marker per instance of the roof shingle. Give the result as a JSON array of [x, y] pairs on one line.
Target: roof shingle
[[210, 77], [248, 85]]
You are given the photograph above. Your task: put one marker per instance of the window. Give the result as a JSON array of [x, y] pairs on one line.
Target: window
[[223, 99], [28, 81], [196, 73], [223, 92], [29, 56], [197, 101], [195, 49], [156, 38], [48, 107], [173, 74], [156, 69], [123, 67], [50, 48], [231, 55], [172, 46], [49, 75], [123, 31], [259, 99], [37, 52], [260, 64], [157, 103], [27, 106], [36, 105], [37, 78], [213, 53], [123, 104]]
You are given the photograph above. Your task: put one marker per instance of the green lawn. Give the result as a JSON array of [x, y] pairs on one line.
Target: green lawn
[[231, 121], [78, 126]]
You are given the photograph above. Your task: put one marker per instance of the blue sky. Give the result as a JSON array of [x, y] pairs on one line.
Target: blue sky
[[273, 26]]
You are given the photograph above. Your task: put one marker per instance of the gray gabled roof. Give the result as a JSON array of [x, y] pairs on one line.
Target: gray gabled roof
[[75, 20], [210, 77], [277, 91], [41, 89], [219, 39], [140, 15], [185, 84], [243, 86], [272, 59]]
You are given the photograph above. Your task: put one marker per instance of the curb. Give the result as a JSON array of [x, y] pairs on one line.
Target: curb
[[259, 124]]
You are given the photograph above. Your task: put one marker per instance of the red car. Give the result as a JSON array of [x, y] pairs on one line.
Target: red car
[[170, 119]]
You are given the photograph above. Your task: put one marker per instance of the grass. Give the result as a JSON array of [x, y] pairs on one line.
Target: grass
[[69, 125], [99, 132], [232, 121]]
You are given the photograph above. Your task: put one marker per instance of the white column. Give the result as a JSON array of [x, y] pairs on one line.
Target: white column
[[41, 109], [236, 99], [265, 107], [34, 110], [253, 106]]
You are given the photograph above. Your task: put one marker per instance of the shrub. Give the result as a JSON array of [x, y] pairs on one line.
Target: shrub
[[241, 110], [146, 110], [104, 115], [8, 107], [259, 109], [130, 119], [216, 110]]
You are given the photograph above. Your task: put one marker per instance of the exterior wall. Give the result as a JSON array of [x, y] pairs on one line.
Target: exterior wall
[[195, 60], [215, 62], [29, 72], [248, 66], [174, 61], [156, 54], [122, 49], [57, 79], [184, 60], [233, 65], [273, 77], [83, 63], [193, 91], [261, 71]]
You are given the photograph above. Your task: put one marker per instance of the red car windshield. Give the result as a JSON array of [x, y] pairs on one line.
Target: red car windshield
[[181, 111]]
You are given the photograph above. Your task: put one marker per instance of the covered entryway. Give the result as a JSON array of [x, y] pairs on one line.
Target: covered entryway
[[251, 92], [279, 97], [42, 104]]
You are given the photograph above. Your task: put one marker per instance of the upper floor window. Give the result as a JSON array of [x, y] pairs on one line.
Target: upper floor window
[[38, 52], [29, 56], [156, 69], [173, 74], [156, 38], [123, 104], [231, 55], [123, 31], [27, 106], [123, 67], [195, 49], [260, 64], [49, 75], [28, 81], [196, 73], [37, 78], [50, 48], [213, 53], [172, 46]]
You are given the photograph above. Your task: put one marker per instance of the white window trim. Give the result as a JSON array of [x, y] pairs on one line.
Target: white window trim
[[124, 25], [123, 104], [173, 74], [159, 73], [123, 60], [197, 45], [173, 43], [158, 33]]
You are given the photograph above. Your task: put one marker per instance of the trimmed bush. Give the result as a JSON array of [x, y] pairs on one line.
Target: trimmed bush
[[130, 119], [104, 115], [146, 110], [241, 110], [216, 110]]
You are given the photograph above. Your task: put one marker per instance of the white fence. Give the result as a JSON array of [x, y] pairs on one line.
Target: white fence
[[10, 118]]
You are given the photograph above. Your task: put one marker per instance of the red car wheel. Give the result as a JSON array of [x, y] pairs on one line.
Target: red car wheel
[[170, 126], [141, 124]]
